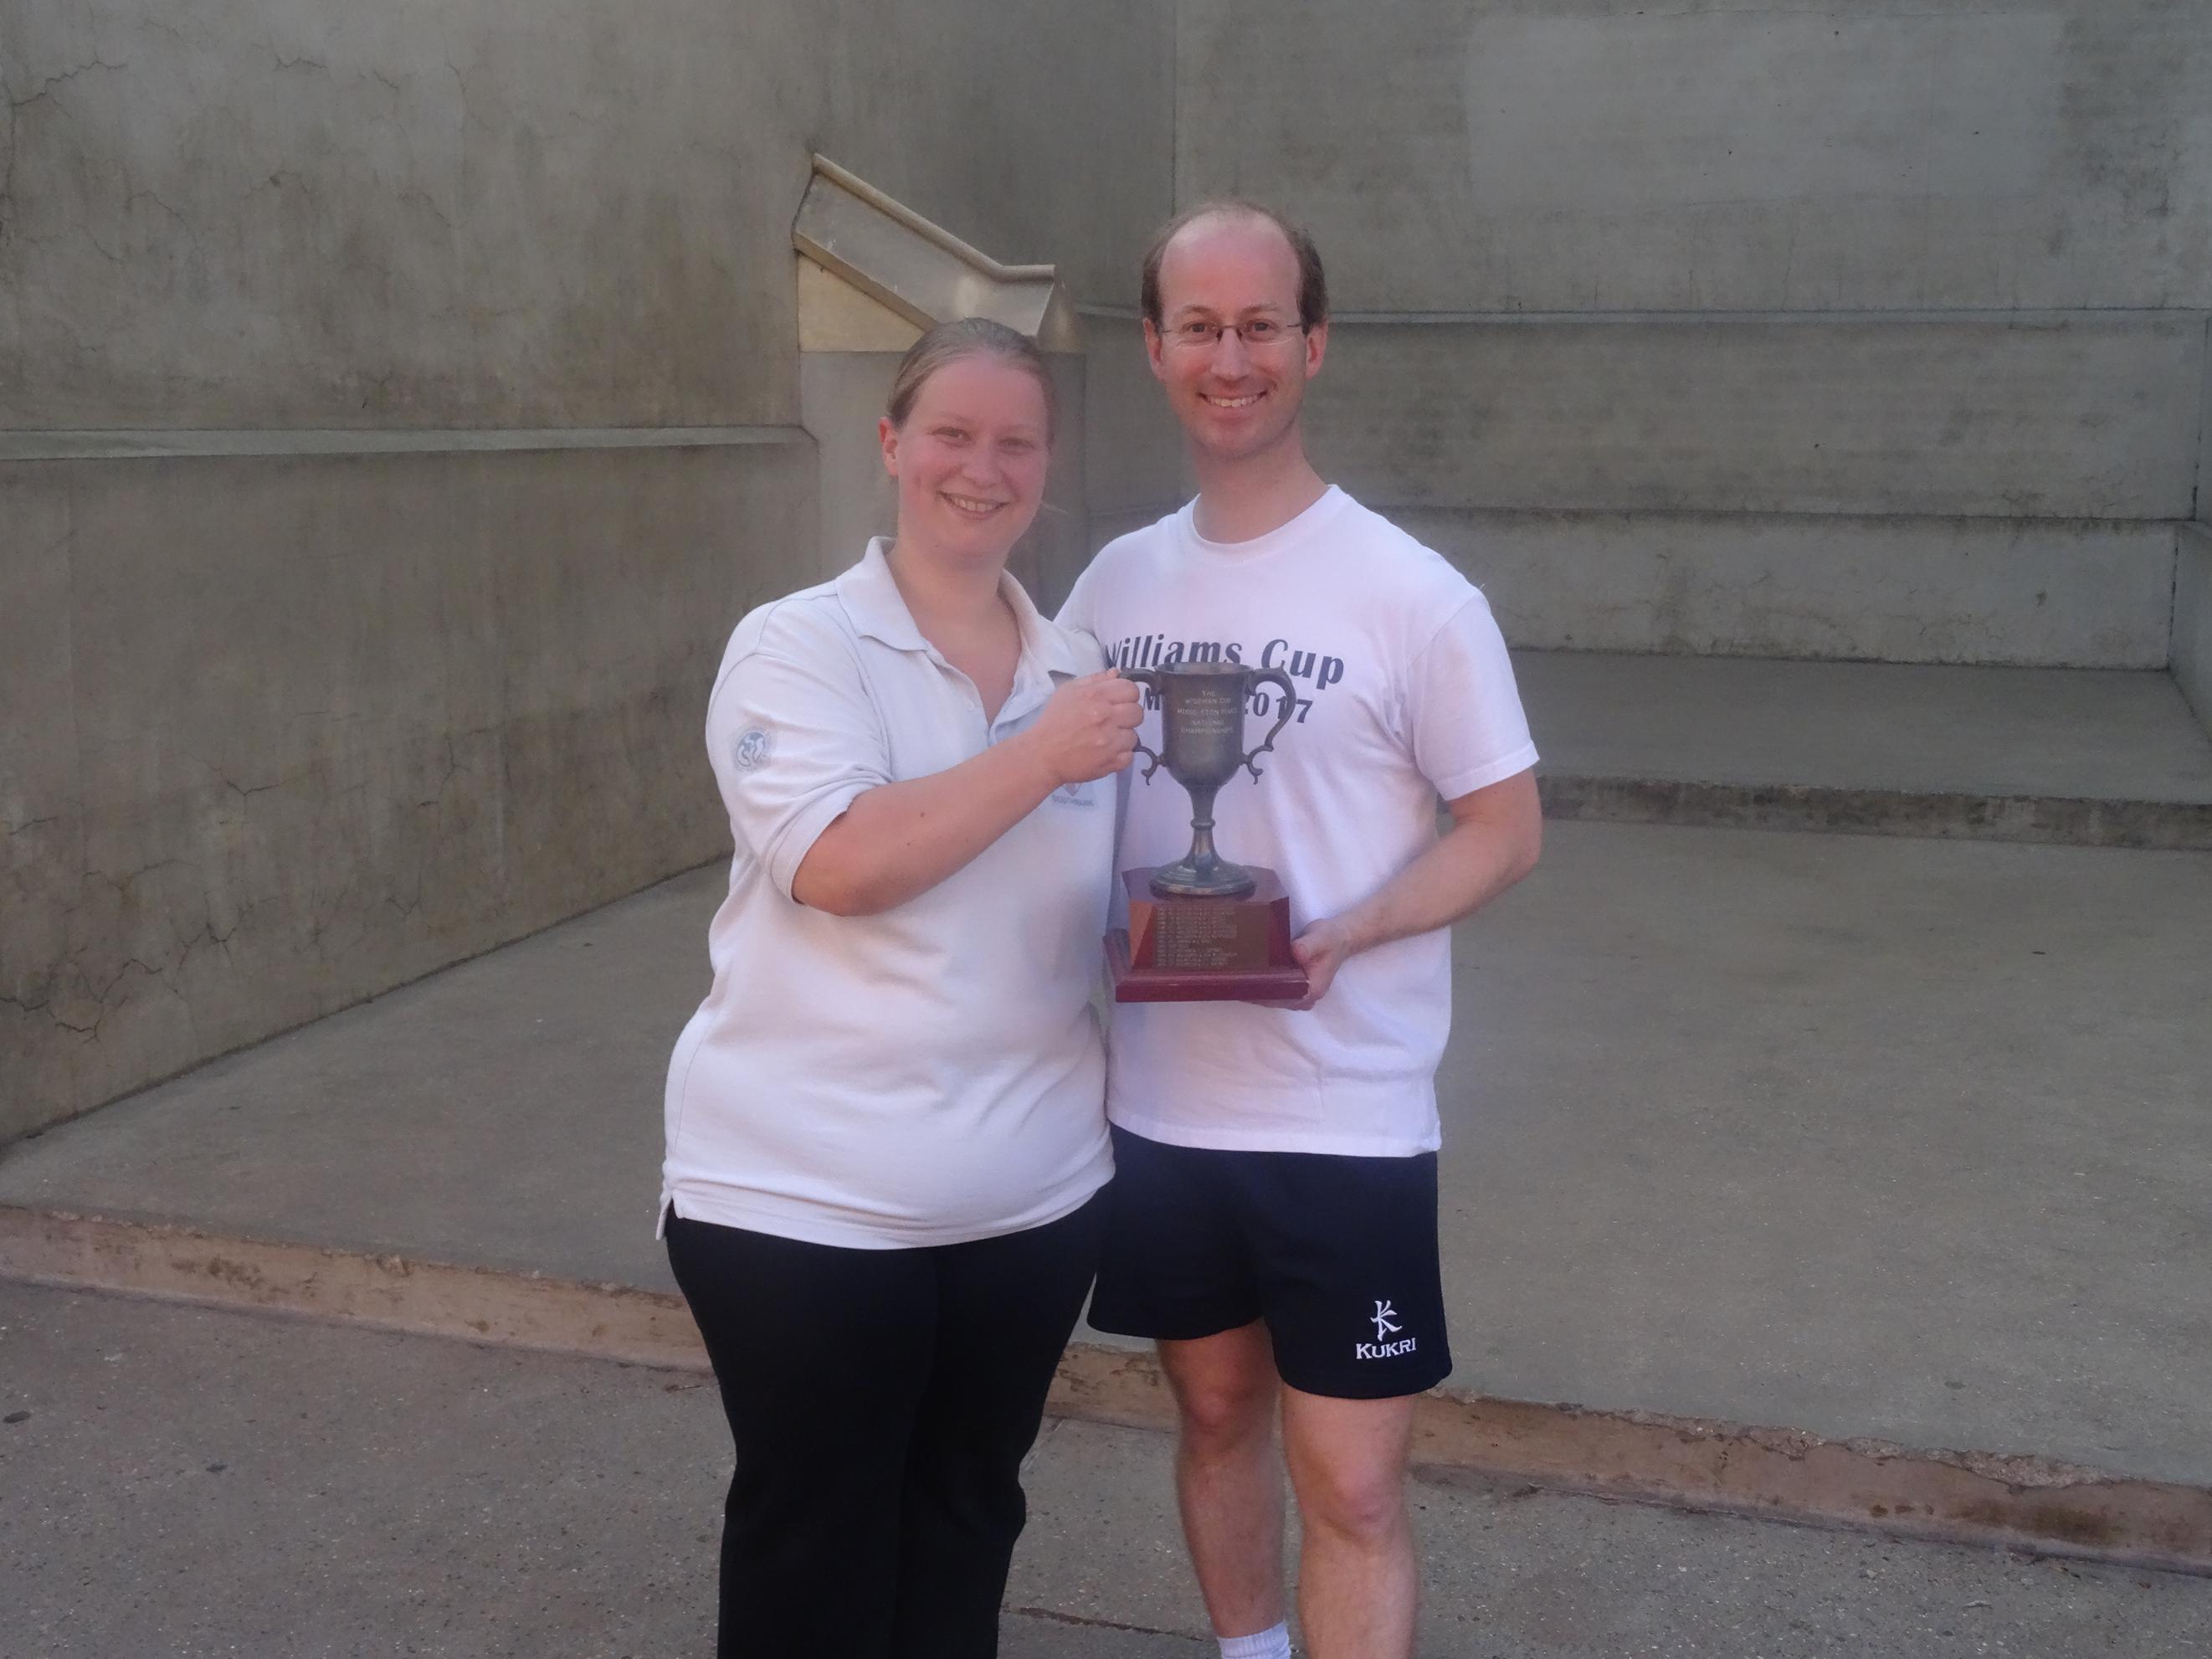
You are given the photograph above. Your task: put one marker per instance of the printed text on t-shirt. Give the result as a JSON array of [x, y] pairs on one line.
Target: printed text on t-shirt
[[1157, 651]]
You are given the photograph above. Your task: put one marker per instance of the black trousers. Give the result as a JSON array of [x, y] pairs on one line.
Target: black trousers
[[881, 1402]]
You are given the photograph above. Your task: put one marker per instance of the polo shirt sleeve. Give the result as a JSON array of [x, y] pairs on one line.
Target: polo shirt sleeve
[[1467, 726], [793, 742]]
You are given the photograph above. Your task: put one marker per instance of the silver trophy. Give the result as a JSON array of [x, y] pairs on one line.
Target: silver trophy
[[1202, 708]]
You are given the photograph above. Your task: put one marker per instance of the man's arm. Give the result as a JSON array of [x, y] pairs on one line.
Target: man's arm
[[1497, 833]]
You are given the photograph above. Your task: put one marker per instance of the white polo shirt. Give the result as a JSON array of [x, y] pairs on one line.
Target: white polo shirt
[[925, 1076]]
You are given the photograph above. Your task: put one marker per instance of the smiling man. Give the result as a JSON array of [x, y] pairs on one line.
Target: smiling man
[[1272, 1223]]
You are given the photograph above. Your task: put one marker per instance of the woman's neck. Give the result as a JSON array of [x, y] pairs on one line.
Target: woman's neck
[[945, 597]]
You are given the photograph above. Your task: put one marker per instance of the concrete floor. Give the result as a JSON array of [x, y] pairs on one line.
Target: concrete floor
[[2069, 734], [1905, 1139], [185, 1483], [505, 1113], [1870, 1137]]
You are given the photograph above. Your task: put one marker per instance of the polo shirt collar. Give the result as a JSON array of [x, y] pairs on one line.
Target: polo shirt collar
[[1041, 639], [872, 599]]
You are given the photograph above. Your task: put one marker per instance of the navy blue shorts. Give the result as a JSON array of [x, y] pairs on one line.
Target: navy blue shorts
[[1337, 1255]]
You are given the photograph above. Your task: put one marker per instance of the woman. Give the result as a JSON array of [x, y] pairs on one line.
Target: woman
[[885, 1128]]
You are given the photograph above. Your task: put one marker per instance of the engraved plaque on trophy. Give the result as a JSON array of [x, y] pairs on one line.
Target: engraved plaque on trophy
[[1203, 929]]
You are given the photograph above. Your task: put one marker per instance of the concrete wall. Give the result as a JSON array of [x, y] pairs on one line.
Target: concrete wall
[[1843, 330], [2192, 582], [448, 359], [1888, 589], [1034, 129], [2203, 495], [1614, 155], [1135, 463], [294, 729], [261, 214], [2192, 620], [257, 214]]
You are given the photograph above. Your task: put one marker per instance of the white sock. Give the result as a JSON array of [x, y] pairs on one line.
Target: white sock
[[1267, 1644]]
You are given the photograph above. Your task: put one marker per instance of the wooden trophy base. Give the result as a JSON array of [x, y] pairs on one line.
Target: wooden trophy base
[[1204, 949]]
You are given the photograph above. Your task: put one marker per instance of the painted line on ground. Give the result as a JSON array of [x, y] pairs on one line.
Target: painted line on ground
[[2024, 1503]]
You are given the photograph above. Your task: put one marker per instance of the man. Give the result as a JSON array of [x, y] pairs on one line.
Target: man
[[1273, 1220]]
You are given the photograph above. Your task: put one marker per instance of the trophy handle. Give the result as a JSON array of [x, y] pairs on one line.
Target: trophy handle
[[1150, 679], [1285, 706]]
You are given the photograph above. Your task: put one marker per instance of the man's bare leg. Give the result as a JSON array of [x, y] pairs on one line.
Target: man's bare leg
[[1228, 1483], [1356, 1578]]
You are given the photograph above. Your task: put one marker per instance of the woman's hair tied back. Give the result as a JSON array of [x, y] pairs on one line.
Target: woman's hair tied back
[[963, 338]]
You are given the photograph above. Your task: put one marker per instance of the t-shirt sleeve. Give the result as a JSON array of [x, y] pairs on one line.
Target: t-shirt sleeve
[[792, 744], [1463, 710]]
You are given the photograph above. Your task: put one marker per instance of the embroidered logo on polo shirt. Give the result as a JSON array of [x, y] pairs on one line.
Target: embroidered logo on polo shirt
[[1075, 794], [752, 750]]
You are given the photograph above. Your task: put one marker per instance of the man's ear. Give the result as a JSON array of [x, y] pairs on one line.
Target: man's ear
[[1152, 351], [1316, 347], [887, 436]]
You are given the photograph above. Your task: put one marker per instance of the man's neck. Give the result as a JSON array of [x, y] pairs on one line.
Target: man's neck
[[1240, 500]]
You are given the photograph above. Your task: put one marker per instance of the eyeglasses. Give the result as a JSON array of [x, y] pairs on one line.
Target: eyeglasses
[[1256, 332]]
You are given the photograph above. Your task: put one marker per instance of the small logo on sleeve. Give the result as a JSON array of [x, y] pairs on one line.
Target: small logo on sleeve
[[752, 750], [1385, 1318]]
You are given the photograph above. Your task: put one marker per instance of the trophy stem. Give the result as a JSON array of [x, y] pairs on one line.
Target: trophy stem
[[1203, 873], [1202, 858]]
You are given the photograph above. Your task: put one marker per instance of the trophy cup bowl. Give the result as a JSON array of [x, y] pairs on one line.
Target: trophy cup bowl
[[1202, 706], [1203, 927]]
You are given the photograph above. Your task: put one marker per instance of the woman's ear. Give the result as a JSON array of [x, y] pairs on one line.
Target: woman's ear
[[887, 436]]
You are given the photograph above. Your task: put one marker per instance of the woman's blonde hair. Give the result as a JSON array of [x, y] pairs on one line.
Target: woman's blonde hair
[[968, 337]]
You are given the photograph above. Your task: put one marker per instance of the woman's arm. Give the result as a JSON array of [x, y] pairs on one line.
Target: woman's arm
[[898, 841]]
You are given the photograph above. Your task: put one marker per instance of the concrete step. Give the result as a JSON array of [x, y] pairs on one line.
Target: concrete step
[[234, 1484], [2094, 757], [1861, 1139]]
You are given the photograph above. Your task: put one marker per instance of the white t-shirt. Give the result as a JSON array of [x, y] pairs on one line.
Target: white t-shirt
[[1405, 695], [925, 1076]]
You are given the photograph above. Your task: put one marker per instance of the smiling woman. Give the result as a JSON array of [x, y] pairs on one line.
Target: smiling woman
[[966, 437], [885, 1123]]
